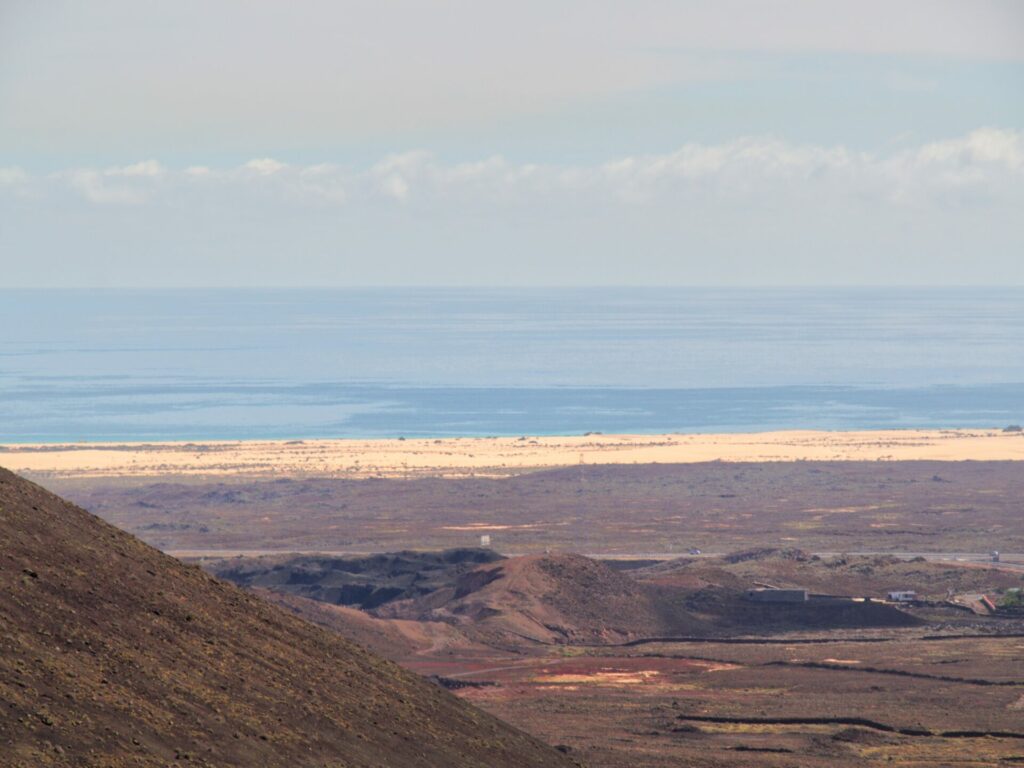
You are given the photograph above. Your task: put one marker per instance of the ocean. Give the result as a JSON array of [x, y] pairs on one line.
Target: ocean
[[120, 365]]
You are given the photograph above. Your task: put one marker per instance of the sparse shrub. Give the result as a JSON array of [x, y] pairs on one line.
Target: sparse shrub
[[1012, 599]]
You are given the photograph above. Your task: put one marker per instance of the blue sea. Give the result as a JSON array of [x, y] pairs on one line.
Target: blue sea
[[234, 364]]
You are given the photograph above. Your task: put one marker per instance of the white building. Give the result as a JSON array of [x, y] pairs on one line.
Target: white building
[[905, 596]]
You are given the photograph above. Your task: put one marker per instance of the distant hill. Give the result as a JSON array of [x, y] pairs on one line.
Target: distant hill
[[467, 594], [574, 599], [462, 598], [113, 654], [550, 599]]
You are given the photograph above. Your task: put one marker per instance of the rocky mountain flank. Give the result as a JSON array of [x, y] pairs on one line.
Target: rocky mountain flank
[[114, 654]]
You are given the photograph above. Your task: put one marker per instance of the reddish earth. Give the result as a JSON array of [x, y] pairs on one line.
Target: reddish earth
[[113, 654], [767, 686], [846, 695], [548, 599], [904, 701]]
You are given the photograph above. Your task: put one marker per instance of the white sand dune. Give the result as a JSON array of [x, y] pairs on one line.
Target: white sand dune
[[459, 457]]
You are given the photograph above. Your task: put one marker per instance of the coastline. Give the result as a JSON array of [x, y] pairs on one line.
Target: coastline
[[495, 456]]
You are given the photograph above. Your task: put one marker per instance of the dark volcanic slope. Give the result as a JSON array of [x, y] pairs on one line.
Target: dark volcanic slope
[[364, 582], [112, 654]]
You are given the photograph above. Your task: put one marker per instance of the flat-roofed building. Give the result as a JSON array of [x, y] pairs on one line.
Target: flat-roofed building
[[903, 596]]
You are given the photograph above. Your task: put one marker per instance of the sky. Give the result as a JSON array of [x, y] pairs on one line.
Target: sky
[[312, 143]]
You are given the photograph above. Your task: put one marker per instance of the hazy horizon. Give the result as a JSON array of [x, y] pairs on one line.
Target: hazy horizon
[[468, 144], [552, 383]]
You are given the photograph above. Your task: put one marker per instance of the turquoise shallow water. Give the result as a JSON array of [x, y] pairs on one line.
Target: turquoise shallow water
[[191, 365]]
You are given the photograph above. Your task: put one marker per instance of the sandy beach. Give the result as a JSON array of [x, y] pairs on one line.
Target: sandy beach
[[490, 456]]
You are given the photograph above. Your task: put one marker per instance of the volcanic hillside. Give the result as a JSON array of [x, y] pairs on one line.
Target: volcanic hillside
[[549, 599], [114, 654], [363, 582]]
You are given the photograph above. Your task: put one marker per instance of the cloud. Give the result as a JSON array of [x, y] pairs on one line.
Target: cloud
[[132, 184], [986, 163], [757, 210], [10, 177], [95, 187], [149, 169], [265, 166], [984, 147]]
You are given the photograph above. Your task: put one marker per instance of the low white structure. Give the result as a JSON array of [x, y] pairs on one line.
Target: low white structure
[[904, 596], [485, 540]]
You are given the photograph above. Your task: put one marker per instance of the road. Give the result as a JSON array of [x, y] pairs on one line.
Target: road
[[1012, 561]]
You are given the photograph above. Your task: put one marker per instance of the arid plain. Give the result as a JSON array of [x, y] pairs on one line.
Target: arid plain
[[643, 653]]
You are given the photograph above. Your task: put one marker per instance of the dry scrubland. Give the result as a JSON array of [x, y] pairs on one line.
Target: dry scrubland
[[565, 648], [664, 509], [560, 646], [902, 701]]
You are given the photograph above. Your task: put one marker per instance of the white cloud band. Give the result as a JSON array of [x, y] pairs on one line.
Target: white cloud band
[[986, 162]]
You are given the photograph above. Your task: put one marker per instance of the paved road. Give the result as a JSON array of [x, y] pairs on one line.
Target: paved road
[[965, 556], [1013, 561], [1009, 560]]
